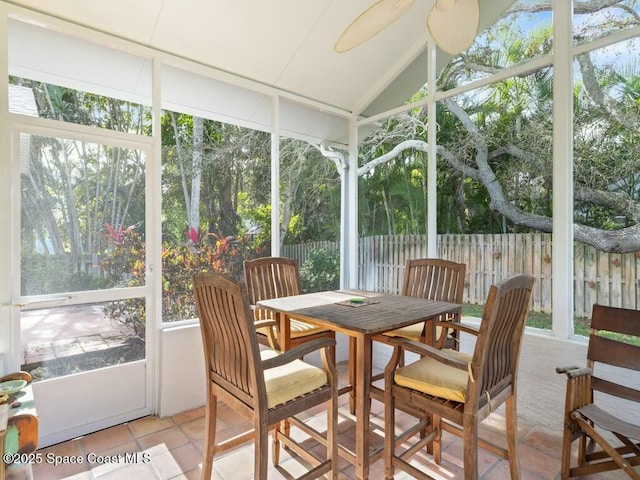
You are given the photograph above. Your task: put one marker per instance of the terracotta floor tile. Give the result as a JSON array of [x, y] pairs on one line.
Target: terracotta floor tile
[[147, 425], [53, 455], [70, 448], [165, 465], [187, 456], [538, 461], [194, 430], [545, 440], [106, 439], [19, 472], [230, 417], [189, 415], [137, 471], [170, 437], [195, 474], [454, 454], [62, 470], [119, 457]]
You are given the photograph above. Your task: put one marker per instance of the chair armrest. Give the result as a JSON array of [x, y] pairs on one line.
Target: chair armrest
[[578, 392], [573, 371], [426, 351], [462, 327], [298, 352], [265, 323], [271, 325]]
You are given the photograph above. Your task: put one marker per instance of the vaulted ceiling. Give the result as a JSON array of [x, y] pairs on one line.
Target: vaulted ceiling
[[285, 44]]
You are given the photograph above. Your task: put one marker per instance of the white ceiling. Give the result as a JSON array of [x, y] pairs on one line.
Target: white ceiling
[[286, 44]]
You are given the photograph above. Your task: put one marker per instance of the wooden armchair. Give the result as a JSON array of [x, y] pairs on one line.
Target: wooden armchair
[[433, 279], [275, 277], [266, 387], [613, 368], [455, 391]]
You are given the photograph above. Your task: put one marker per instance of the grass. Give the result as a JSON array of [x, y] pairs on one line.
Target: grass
[[536, 319], [581, 325]]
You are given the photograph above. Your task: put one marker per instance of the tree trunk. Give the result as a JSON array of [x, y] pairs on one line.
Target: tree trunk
[[196, 175]]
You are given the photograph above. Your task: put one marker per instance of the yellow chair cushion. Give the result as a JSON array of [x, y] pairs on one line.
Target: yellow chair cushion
[[290, 381], [430, 376], [412, 332], [298, 329]]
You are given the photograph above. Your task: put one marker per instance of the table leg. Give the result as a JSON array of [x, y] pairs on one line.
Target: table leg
[[284, 331], [430, 331], [353, 377], [284, 340], [363, 405]]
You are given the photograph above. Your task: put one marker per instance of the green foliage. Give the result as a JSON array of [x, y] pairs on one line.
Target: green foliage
[[124, 264], [261, 216], [535, 319], [181, 262], [321, 270], [44, 274]]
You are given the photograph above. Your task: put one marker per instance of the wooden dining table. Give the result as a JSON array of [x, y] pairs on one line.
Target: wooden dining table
[[361, 315]]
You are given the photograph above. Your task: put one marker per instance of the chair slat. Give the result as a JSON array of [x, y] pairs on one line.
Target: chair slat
[[615, 319], [617, 390], [613, 352], [275, 277], [433, 279]]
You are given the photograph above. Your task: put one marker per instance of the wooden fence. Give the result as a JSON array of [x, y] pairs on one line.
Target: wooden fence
[[606, 278]]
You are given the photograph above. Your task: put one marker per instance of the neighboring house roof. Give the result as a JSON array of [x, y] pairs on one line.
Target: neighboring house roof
[[23, 102]]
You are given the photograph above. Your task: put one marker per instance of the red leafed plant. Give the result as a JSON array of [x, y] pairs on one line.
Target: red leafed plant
[[124, 263]]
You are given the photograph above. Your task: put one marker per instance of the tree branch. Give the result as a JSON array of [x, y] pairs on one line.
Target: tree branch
[[596, 93]]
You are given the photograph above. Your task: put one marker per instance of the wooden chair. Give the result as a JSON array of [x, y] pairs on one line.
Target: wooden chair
[[266, 387], [275, 277], [456, 391], [613, 365], [433, 279]]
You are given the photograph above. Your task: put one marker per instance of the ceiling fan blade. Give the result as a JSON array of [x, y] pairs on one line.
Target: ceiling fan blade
[[370, 22], [453, 24]]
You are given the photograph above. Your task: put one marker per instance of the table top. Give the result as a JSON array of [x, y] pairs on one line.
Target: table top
[[376, 313]]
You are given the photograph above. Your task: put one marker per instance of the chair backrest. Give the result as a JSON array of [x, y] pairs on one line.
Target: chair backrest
[[434, 279], [620, 350], [495, 359], [271, 277], [230, 343]]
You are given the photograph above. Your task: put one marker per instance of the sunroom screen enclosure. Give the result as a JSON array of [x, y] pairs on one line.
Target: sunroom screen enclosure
[[287, 86]]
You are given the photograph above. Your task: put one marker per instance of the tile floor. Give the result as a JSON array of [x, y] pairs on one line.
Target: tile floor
[[171, 447]]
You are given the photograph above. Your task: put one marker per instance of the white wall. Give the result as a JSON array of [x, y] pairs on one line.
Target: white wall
[[181, 384]]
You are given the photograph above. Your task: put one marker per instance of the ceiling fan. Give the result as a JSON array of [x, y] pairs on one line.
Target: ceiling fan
[[453, 24]]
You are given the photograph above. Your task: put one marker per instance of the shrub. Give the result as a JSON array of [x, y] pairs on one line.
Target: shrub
[[124, 264], [321, 270]]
